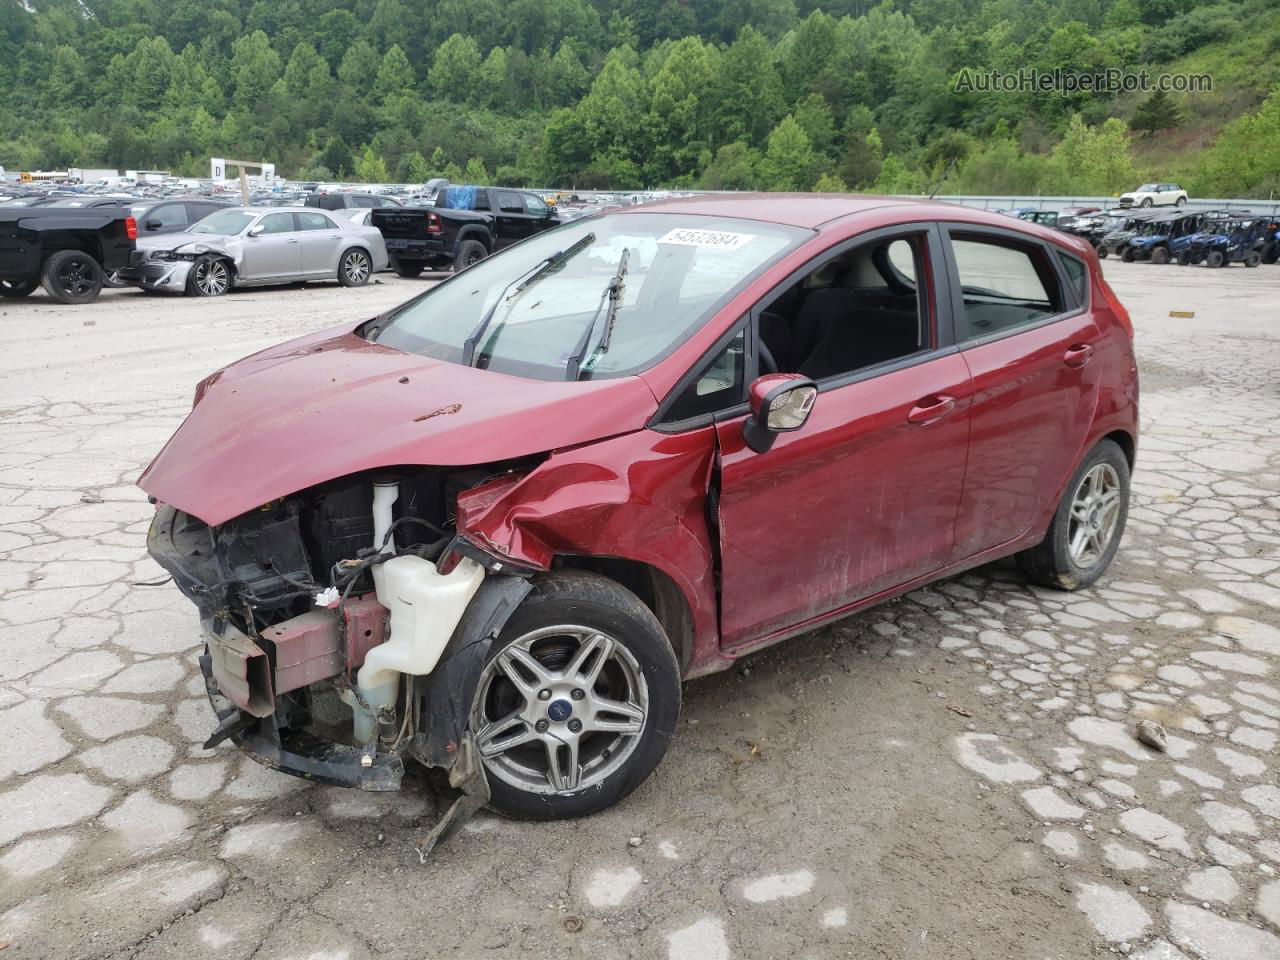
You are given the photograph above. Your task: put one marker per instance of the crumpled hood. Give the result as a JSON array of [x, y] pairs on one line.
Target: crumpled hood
[[172, 241], [333, 404]]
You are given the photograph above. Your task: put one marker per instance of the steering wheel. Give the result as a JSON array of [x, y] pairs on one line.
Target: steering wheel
[[767, 363]]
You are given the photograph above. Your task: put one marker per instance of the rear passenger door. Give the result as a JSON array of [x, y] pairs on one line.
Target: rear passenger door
[[1025, 331], [320, 239]]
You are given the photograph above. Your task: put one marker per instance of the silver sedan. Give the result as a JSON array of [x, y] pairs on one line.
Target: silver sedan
[[258, 246]]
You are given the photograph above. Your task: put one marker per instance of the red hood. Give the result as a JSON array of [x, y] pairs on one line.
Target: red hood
[[330, 405]]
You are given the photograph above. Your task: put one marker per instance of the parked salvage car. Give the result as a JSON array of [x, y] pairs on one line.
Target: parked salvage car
[[158, 217], [254, 246], [491, 530], [465, 226], [67, 250], [1153, 239], [1235, 239], [1115, 242], [1154, 195], [349, 201]]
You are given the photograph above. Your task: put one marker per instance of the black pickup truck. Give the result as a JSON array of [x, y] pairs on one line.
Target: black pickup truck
[[68, 250], [466, 225]]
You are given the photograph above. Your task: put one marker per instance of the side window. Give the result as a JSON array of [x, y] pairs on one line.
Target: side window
[[314, 221], [387, 202], [1077, 276], [510, 202], [719, 385], [859, 308], [482, 199], [1005, 285], [330, 202], [168, 214], [535, 205], [366, 202], [277, 223]]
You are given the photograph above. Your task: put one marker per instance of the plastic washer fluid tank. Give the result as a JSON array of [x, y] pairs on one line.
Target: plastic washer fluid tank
[[425, 606]]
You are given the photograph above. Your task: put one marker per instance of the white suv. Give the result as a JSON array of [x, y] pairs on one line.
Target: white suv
[[1154, 195]]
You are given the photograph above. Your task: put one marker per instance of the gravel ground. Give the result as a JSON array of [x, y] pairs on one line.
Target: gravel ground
[[952, 775]]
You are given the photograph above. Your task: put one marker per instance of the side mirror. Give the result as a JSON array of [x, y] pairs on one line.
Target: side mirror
[[152, 224], [256, 230], [780, 403]]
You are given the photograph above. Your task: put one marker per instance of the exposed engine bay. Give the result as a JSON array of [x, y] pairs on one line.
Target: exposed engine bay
[[344, 624]]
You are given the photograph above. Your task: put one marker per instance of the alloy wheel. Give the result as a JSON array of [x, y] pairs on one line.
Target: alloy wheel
[[75, 276], [1095, 510], [356, 266], [559, 710], [212, 277]]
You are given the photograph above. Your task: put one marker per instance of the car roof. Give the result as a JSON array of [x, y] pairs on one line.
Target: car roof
[[814, 210]]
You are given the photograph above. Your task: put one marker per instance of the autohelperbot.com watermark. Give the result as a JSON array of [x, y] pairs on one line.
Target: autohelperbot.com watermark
[[1112, 80]]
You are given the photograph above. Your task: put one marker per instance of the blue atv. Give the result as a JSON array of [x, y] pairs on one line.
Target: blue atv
[[1237, 241], [1271, 252], [1193, 248], [1155, 239]]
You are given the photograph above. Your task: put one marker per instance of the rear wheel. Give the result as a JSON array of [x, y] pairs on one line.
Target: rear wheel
[[1127, 255], [1215, 259], [407, 268], [470, 252], [1253, 259], [354, 268], [17, 288], [1102, 251], [1184, 259], [1271, 254], [209, 277], [1180, 202], [72, 276], [578, 700], [1160, 255], [1087, 526]]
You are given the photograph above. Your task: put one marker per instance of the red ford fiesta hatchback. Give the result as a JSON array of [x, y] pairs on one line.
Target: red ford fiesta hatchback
[[492, 529]]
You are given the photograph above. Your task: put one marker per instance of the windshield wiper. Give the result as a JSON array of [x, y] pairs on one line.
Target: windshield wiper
[[541, 269], [612, 293]]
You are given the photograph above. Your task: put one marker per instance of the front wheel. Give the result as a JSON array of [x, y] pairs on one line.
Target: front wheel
[[1086, 528], [209, 277], [1215, 258], [578, 700], [1127, 255], [354, 268], [1160, 255], [17, 288], [1146, 201], [1253, 259], [1184, 259], [1180, 202], [72, 276]]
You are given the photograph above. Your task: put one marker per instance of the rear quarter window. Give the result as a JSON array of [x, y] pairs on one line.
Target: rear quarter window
[[1077, 277]]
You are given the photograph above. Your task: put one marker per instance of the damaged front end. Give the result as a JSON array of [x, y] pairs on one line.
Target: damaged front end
[[345, 627]]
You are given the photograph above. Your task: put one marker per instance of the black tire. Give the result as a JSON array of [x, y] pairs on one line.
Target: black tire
[[17, 288], [1102, 251], [594, 603], [469, 253], [1180, 202], [72, 276], [1184, 259], [1160, 255], [1271, 254], [1216, 259], [355, 267], [408, 268], [1050, 562], [1127, 255], [209, 276], [1146, 202], [1253, 259]]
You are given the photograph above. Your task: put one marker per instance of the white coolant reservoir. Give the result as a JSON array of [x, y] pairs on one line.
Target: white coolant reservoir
[[425, 606]]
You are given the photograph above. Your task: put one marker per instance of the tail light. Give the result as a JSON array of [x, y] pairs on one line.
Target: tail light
[[1122, 315], [131, 228], [433, 224]]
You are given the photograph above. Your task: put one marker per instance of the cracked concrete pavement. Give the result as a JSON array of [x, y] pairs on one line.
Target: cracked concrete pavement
[[949, 775]]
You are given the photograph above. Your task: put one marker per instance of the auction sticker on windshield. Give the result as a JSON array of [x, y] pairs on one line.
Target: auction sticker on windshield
[[717, 239]]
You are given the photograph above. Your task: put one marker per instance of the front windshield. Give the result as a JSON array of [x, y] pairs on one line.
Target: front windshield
[[1147, 188], [679, 269], [224, 223]]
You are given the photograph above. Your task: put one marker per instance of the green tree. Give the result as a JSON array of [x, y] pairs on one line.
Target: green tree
[[416, 168], [815, 119], [371, 168], [788, 158], [254, 68], [395, 75], [746, 95], [1157, 112], [454, 69], [734, 167], [358, 71], [830, 183], [475, 173], [336, 156]]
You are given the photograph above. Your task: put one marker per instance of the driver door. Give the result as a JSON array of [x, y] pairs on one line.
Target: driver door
[[864, 497], [275, 252]]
